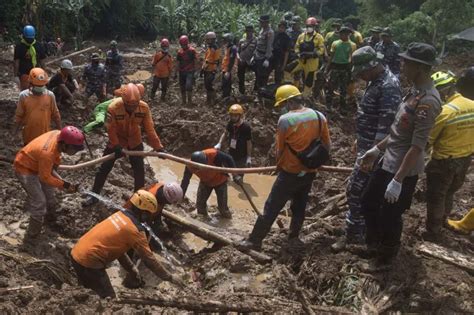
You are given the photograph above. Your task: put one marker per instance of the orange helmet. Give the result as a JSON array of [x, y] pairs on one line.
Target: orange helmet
[[118, 92], [141, 89], [38, 77], [130, 94]]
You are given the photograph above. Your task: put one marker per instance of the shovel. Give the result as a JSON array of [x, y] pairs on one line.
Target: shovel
[[279, 222]]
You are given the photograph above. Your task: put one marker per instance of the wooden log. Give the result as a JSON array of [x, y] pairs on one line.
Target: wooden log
[[69, 55], [450, 256], [299, 293], [210, 235], [20, 288], [193, 304]]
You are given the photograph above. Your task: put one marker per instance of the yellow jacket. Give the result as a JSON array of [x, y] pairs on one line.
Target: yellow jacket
[[453, 133], [318, 42]]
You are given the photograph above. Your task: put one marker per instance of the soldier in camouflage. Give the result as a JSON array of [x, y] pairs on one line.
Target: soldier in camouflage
[[374, 37], [390, 50], [94, 76], [113, 67], [375, 115]]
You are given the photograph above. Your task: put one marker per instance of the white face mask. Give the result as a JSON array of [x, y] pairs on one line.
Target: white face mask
[[165, 50], [39, 89], [310, 29]]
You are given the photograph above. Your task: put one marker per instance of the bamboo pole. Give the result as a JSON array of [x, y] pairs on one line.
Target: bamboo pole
[[212, 236], [70, 55]]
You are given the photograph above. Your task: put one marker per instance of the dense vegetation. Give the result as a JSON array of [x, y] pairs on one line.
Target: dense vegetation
[[425, 20]]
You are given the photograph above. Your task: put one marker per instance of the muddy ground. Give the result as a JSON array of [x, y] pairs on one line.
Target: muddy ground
[[417, 284]]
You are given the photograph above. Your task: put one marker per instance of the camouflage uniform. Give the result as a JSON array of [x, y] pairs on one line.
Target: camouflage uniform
[[371, 41], [391, 58], [95, 77], [375, 115], [113, 67]]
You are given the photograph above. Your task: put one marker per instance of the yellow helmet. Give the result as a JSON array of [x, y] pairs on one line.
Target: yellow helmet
[[236, 109], [441, 78], [285, 92], [144, 200]]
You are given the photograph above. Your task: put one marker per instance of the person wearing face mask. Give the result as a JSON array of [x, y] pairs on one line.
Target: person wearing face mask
[[63, 84], [297, 129], [113, 68], [162, 65], [209, 67], [451, 144], [111, 239], [228, 62], [94, 76], [28, 54], [126, 117], [309, 48], [36, 108], [239, 134], [35, 166]]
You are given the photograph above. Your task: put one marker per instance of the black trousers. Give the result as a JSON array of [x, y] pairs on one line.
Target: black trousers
[[242, 68], [94, 279], [138, 168], [209, 77], [226, 85], [261, 74], [383, 220], [156, 84]]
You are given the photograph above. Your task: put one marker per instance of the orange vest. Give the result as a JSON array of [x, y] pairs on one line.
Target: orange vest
[[211, 59], [211, 178]]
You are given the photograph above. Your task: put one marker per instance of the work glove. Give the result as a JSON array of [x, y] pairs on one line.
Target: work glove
[[227, 75], [162, 150], [218, 146], [118, 151], [266, 63], [248, 163], [366, 162], [393, 191], [70, 188], [237, 179]]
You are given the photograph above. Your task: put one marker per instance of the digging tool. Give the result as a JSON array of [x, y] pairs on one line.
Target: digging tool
[[279, 222], [88, 147], [70, 55]]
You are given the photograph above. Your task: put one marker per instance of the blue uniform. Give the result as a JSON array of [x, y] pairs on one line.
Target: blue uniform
[[390, 52], [114, 67], [375, 115], [94, 75]]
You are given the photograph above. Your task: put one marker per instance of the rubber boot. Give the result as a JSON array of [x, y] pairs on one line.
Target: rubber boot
[[190, 97], [465, 225], [183, 98], [225, 213], [33, 230], [208, 98], [213, 97], [254, 241]]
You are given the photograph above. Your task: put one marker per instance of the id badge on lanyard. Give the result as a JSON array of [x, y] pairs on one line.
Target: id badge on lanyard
[[233, 143]]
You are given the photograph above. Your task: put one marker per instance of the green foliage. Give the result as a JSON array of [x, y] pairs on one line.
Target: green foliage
[[416, 27]]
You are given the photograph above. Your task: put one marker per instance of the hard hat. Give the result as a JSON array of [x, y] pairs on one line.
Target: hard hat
[[199, 157], [441, 78], [141, 89], [184, 40], [29, 32], [236, 109], [38, 77], [465, 225], [66, 64], [130, 94], [365, 58], [165, 42], [113, 43], [173, 192], [312, 21], [386, 32], [145, 201], [72, 136], [210, 35], [285, 92], [228, 37]]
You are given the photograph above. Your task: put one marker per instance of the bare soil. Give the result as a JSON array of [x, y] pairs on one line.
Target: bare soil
[[418, 283]]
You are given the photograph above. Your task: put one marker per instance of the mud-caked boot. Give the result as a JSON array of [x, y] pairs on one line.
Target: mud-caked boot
[[259, 231], [89, 201], [225, 213], [250, 244], [34, 230]]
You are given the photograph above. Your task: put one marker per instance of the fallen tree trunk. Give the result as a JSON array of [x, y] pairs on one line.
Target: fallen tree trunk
[[69, 55], [450, 256], [212, 236], [195, 305], [299, 293]]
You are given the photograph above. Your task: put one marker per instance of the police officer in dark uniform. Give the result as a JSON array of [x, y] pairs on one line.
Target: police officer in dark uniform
[[375, 115], [390, 189], [94, 75]]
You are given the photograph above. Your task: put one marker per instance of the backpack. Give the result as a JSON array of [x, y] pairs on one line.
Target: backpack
[[315, 154]]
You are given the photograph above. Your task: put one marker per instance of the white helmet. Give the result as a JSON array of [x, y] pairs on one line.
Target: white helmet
[[210, 35], [66, 64], [173, 192]]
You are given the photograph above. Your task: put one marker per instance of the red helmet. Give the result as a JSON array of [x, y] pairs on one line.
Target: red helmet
[[312, 21], [165, 43], [184, 40], [130, 93], [72, 135]]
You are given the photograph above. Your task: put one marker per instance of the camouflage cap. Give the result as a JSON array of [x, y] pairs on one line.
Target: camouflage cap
[[296, 19], [365, 58], [336, 22], [386, 32], [376, 29]]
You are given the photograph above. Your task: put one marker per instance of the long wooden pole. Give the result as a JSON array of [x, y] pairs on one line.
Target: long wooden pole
[[212, 236], [70, 55]]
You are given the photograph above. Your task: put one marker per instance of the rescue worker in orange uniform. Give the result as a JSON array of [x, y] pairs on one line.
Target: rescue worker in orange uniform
[[210, 65], [228, 62], [125, 118], [162, 66], [35, 166], [111, 239], [36, 108], [210, 180]]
